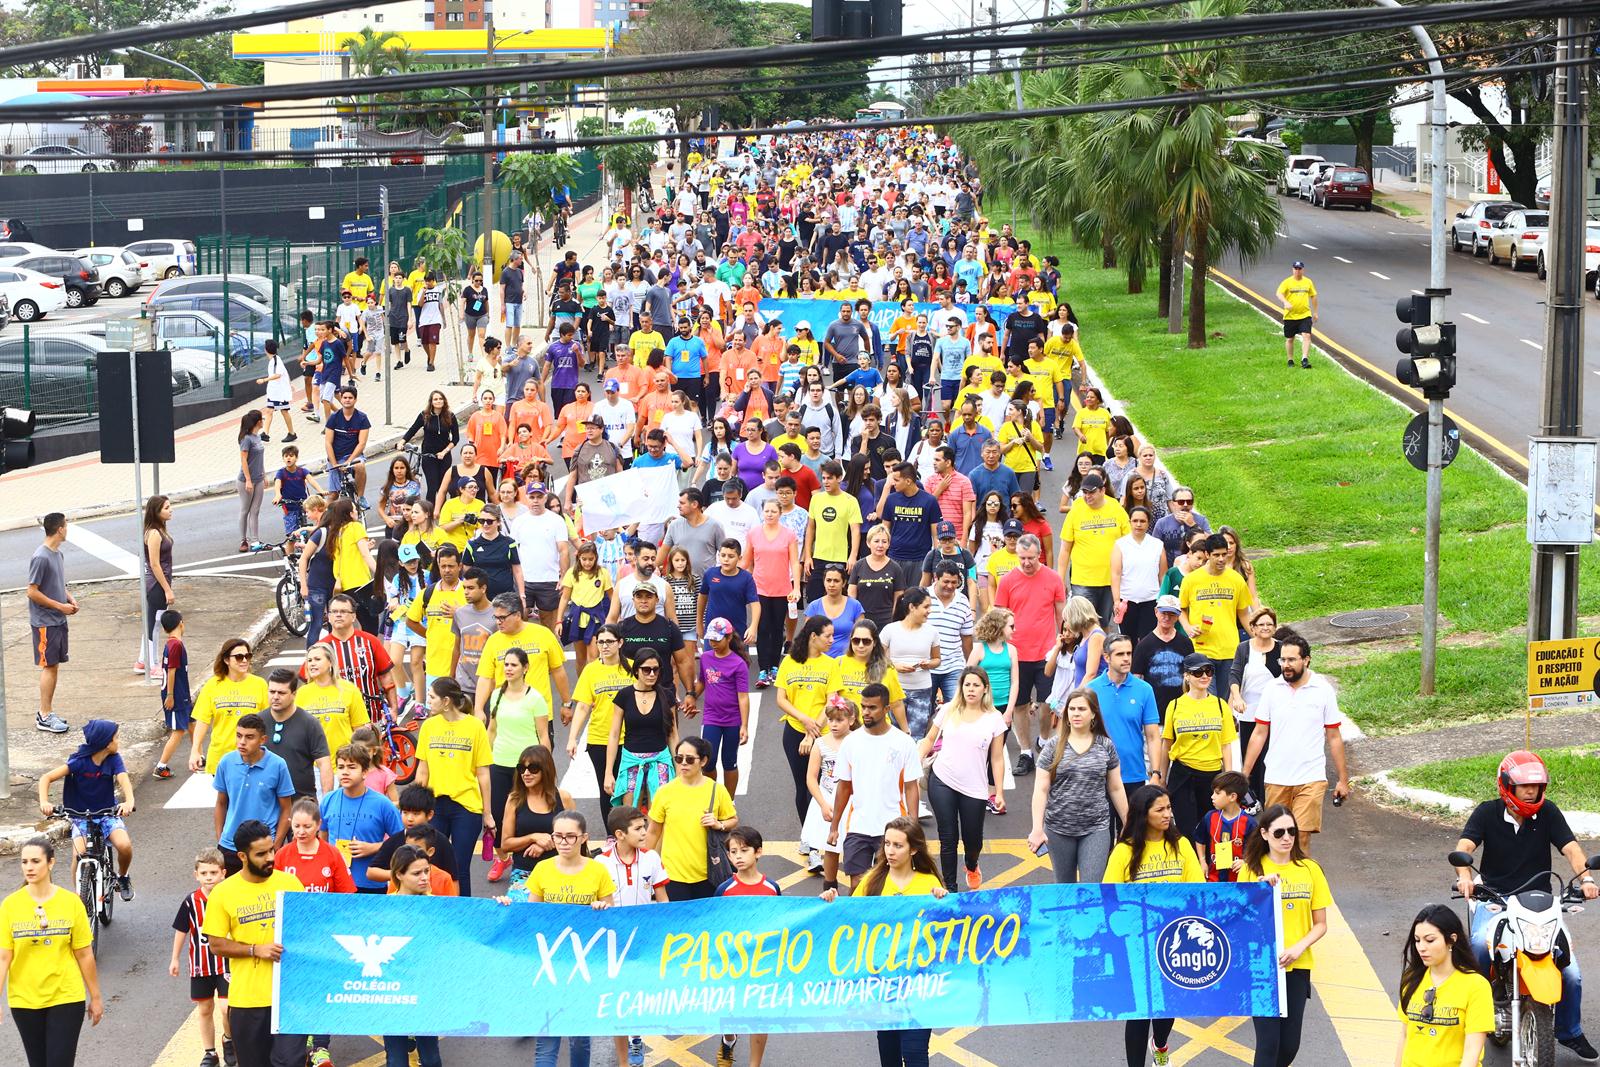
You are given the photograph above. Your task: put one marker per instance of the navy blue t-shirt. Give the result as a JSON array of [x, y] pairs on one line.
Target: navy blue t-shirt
[[332, 361], [729, 596], [91, 786], [294, 483], [346, 431], [911, 521]]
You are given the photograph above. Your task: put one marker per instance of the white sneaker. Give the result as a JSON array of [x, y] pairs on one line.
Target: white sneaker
[[923, 811], [814, 861]]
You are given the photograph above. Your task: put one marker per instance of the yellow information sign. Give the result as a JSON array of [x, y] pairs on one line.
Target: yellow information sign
[[1563, 674]]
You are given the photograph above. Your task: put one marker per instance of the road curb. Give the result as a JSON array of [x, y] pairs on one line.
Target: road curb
[[1586, 823]]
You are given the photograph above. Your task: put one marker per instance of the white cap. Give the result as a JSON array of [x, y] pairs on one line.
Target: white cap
[[803, 324]]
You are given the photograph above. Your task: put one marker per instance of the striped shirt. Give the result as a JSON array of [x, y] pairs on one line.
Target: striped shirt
[[951, 623], [361, 660], [191, 916]]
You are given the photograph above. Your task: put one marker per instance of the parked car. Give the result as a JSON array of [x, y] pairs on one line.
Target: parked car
[[121, 272], [31, 295], [1471, 228], [257, 287], [1314, 175], [81, 279], [191, 337], [169, 258], [1541, 191], [1519, 237], [247, 316], [60, 159], [1294, 169], [60, 375], [1343, 185], [10, 250], [1591, 258]]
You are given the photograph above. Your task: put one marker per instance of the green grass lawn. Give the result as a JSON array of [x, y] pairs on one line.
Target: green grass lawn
[[1575, 773], [1473, 684], [1403, 210]]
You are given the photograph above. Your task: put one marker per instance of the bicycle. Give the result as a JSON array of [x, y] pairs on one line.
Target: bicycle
[[344, 486], [399, 734], [291, 605], [561, 227], [94, 873]]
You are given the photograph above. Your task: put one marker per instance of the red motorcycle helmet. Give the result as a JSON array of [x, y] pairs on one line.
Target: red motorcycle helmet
[[1522, 768]]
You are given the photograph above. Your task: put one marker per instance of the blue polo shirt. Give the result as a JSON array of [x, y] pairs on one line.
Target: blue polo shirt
[[1002, 480], [253, 790], [969, 450], [1126, 710], [688, 355]]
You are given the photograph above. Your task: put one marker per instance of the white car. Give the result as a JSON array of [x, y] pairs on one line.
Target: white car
[[1520, 238], [60, 159], [167, 258], [32, 295], [1294, 169], [1314, 174], [10, 250], [1469, 231], [121, 272]]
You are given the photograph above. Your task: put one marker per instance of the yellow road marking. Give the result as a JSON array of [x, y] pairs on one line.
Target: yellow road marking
[[1206, 1037], [1355, 1001], [948, 1045], [664, 1050]]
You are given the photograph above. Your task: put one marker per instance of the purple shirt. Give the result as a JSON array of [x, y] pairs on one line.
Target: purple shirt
[[752, 464], [563, 360], [724, 678]]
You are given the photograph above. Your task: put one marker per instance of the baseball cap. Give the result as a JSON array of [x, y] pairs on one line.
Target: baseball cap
[[463, 482], [944, 529], [535, 487], [1194, 661], [1012, 528], [1091, 482], [613, 386], [722, 629], [1299, 264], [596, 420], [803, 324], [408, 554], [1168, 603], [648, 589]]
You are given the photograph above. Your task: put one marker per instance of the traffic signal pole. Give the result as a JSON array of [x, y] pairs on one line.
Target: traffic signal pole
[[1553, 589]]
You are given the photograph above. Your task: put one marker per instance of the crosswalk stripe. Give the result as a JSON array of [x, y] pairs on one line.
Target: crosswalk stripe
[[99, 547], [195, 792]]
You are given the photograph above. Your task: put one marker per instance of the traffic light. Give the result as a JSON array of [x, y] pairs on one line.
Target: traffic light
[[1430, 348], [16, 445]]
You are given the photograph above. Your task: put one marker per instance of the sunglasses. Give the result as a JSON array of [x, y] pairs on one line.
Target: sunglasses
[[1282, 831], [685, 760], [1203, 670], [1183, 503], [529, 768], [239, 655], [649, 670], [861, 640], [1427, 1004]]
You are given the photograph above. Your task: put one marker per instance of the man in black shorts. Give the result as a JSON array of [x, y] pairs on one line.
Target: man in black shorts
[[1298, 294]]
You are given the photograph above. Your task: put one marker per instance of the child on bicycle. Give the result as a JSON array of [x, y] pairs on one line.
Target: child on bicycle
[[93, 775], [176, 702], [291, 486], [208, 973]]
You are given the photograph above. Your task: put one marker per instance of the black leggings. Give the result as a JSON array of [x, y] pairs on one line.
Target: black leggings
[[798, 765], [1258, 773], [770, 631], [1278, 1040], [597, 758], [1137, 1035], [953, 812], [258, 1046], [1190, 790], [50, 1035], [500, 781]]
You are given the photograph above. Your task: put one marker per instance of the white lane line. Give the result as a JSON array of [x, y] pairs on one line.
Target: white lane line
[[1341, 259], [1531, 344], [580, 783], [1304, 245], [100, 548], [1282, 234], [1380, 277], [195, 792], [1474, 318]]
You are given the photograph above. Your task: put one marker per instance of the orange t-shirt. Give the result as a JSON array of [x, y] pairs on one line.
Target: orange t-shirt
[[488, 432], [569, 425], [652, 407], [769, 348], [635, 381], [748, 295], [440, 883], [714, 344], [535, 413], [737, 365], [904, 326]]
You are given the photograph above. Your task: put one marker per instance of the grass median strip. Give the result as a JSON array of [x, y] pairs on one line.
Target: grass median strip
[[1575, 772]]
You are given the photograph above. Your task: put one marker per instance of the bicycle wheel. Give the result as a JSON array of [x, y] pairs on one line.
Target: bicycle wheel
[[401, 756], [86, 893], [108, 892], [291, 608]]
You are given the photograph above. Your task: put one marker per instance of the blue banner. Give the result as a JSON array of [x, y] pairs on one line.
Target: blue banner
[[821, 312], [1036, 954]]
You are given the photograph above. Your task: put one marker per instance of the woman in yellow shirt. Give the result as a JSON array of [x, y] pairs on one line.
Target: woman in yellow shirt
[[453, 758], [1439, 981], [801, 692], [1197, 736], [47, 961], [865, 660], [594, 704], [1091, 424], [231, 693], [458, 517], [681, 813], [1273, 855], [1150, 850], [1021, 444], [335, 703]]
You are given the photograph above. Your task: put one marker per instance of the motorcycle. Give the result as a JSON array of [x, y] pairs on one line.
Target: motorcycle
[[1528, 948]]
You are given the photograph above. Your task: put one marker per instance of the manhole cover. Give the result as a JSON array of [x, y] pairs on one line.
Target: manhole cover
[[1364, 620]]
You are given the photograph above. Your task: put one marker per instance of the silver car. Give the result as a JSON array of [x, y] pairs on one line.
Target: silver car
[[121, 272], [1470, 229]]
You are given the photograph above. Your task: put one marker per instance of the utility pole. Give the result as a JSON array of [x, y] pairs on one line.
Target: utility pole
[[1553, 590], [488, 156]]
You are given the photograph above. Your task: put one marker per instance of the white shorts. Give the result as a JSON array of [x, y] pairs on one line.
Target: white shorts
[[328, 390]]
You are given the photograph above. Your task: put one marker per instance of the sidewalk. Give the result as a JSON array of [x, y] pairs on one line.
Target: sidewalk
[[207, 461], [1418, 200]]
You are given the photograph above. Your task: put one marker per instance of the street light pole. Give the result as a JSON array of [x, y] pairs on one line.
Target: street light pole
[[488, 156]]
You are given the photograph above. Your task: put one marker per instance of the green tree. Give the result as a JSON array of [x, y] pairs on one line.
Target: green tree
[[374, 53], [628, 165], [210, 57], [674, 27], [534, 177]]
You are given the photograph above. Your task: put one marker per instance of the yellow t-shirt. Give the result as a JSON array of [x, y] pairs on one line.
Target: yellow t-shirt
[[805, 685], [247, 912], [1044, 374], [920, 885], [439, 637], [809, 349], [453, 509], [545, 657], [598, 687], [1002, 561], [782, 439], [849, 676], [1160, 863], [556, 887], [1022, 456], [1199, 730], [1298, 291], [1093, 532], [1302, 889], [222, 702], [453, 752], [432, 539], [644, 342], [340, 709], [588, 589], [1095, 423], [358, 285], [44, 971], [833, 516], [989, 363], [1462, 1004], [678, 807], [417, 280], [1063, 351], [350, 570], [1219, 597]]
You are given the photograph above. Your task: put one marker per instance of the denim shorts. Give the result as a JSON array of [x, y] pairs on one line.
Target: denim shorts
[[108, 824], [514, 313]]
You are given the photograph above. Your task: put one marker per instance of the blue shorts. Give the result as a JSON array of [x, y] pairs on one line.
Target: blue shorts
[[948, 388], [727, 739], [108, 824], [178, 716], [514, 313], [1048, 418]]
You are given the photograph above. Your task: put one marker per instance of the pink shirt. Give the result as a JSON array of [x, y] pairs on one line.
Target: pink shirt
[[954, 497], [1032, 601], [963, 759], [768, 560]]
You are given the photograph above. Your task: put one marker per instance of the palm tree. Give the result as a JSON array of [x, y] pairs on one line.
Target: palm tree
[[374, 53]]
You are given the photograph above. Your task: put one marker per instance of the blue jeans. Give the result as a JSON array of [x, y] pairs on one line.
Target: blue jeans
[[946, 685], [919, 712], [394, 1051], [1569, 1013], [464, 829], [317, 613], [546, 1050], [902, 1048], [1222, 677]]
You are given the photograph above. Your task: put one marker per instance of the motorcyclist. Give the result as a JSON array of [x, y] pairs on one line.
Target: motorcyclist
[[1517, 833]]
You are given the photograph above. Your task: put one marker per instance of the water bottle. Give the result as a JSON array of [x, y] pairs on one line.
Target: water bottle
[[794, 609]]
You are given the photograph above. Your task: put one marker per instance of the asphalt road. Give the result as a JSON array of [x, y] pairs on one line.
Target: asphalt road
[[1362, 262]]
